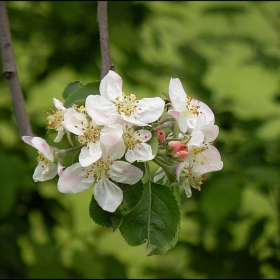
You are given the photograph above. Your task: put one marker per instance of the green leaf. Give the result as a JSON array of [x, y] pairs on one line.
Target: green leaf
[[140, 165], [155, 220], [81, 94], [132, 195], [154, 250], [70, 88], [102, 217]]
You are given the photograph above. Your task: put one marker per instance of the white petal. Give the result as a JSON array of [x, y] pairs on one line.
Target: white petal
[[59, 169], [179, 168], [42, 146], [214, 158], [59, 136], [111, 86], [44, 172], [174, 113], [132, 120], [210, 132], [111, 140], [191, 121], [108, 195], [73, 179], [111, 131], [177, 95], [58, 104], [151, 109], [101, 110], [188, 190], [145, 135], [74, 121], [28, 140], [141, 152], [124, 172], [115, 151], [90, 154], [205, 109], [159, 174], [197, 138], [183, 124], [208, 161]]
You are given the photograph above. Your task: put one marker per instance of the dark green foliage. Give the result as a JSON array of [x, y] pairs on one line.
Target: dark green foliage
[[155, 220], [79, 93]]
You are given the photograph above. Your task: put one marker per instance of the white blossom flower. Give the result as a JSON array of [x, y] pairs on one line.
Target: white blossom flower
[[135, 141], [202, 159], [190, 113], [48, 166], [54, 120], [113, 105], [92, 135], [101, 173]]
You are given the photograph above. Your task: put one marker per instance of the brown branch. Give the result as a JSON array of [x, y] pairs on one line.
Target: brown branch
[[10, 73], [102, 19]]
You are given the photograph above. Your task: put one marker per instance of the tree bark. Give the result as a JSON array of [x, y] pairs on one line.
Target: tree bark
[[102, 19], [10, 73]]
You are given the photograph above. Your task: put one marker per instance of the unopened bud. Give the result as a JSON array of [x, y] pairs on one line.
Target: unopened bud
[[178, 150], [161, 135]]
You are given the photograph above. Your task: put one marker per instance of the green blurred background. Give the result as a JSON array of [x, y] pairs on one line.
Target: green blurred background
[[227, 54]]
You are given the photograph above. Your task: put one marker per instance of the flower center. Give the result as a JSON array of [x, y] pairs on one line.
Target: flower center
[[127, 104], [131, 137], [91, 133], [99, 169], [195, 182], [43, 159], [196, 154], [192, 107], [54, 120]]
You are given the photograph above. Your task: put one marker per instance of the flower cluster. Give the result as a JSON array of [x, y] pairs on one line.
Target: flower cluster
[[189, 150], [114, 131]]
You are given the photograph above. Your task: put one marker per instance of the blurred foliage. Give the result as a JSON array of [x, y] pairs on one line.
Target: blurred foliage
[[227, 55]]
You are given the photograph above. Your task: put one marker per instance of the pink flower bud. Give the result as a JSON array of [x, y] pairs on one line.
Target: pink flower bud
[[161, 135], [178, 150]]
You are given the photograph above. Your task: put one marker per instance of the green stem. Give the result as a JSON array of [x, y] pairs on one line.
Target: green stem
[[64, 152], [150, 198]]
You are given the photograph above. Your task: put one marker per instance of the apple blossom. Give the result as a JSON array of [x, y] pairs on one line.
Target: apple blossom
[[91, 135], [101, 174], [201, 160], [54, 120], [135, 141], [190, 113], [113, 105], [48, 165]]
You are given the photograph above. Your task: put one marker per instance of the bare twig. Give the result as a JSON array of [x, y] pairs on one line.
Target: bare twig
[[102, 19], [10, 73]]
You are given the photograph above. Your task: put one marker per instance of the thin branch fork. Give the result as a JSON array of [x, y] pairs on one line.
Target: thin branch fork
[[10, 73]]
